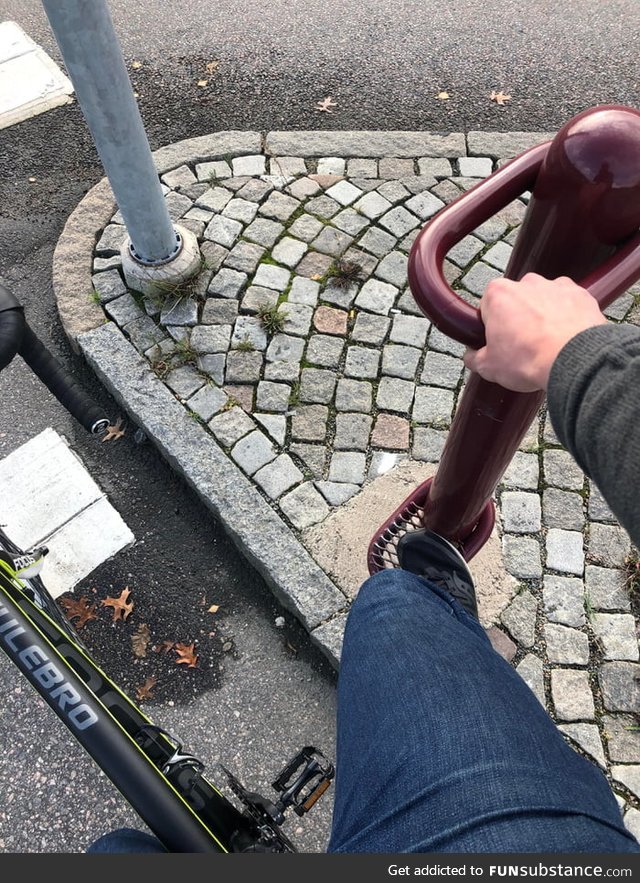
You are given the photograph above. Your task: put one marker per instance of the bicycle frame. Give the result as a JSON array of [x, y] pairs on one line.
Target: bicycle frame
[[140, 759], [163, 784]]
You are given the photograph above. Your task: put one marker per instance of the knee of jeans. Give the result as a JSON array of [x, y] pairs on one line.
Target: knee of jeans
[[392, 584]]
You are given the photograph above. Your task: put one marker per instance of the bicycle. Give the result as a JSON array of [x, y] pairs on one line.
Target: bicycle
[[164, 783]]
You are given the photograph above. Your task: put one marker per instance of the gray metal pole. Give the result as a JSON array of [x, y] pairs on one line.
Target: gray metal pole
[[85, 34]]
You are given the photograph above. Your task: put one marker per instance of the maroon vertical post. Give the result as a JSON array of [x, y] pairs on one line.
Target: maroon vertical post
[[580, 221], [585, 205]]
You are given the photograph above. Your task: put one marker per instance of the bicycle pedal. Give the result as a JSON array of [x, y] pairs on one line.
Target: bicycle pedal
[[304, 780]]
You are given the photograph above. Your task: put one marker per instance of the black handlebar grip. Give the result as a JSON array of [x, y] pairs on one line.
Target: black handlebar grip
[[64, 388], [12, 325]]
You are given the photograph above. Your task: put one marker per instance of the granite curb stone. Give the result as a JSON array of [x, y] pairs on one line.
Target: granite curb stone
[[288, 569]]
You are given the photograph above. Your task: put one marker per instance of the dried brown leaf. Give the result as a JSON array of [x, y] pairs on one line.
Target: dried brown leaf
[[114, 432], [326, 104], [78, 610], [499, 97], [214, 608], [144, 690], [140, 640], [121, 606], [186, 655]]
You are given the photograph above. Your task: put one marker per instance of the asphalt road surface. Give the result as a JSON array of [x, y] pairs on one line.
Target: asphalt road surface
[[383, 63]]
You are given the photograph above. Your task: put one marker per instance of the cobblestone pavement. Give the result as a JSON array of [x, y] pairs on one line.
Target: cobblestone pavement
[[300, 351]]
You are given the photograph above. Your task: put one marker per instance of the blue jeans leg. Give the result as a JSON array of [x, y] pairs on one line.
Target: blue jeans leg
[[126, 840], [442, 747]]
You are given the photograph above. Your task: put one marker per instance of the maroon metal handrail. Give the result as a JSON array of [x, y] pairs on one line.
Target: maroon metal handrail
[[582, 221], [447, 310]]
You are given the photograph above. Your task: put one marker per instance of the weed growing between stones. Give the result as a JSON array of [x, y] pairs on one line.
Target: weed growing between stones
[[294, 397], [180, 291], [160, 368], [632, 576], [184, 353], [588, 607], [231, 402], [345, 272], [245, 345], [272, 318]]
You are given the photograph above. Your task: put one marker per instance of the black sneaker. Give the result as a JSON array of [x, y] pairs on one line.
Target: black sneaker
[[427, 554]]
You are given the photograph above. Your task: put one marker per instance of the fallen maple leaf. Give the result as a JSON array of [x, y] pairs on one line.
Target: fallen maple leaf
[[186, 655], [121, 608], [499, 98], [144, 690], [79, 610], [136, 65], [140, 640], [114, 431], [326, 104]]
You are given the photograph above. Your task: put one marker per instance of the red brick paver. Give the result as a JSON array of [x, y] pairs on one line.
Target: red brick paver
[[327, 320], [391, 432]]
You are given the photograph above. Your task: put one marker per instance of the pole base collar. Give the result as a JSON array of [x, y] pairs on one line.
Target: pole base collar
[[162, 278]]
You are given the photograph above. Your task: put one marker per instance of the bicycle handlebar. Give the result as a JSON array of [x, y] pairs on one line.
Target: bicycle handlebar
[[12, 324], [16, 337]]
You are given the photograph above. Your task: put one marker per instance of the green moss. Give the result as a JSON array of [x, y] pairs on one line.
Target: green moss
[[294, 396]]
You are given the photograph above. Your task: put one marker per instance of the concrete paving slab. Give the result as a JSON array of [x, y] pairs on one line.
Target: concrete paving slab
[[44, 486], [339, 544], [13, 41], [30, 81], [82, 544], [49, 498]]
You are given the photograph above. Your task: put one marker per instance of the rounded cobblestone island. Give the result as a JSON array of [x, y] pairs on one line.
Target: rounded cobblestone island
[[299, 349]]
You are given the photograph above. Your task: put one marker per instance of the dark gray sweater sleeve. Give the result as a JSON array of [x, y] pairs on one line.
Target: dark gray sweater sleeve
[[593, 399]]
